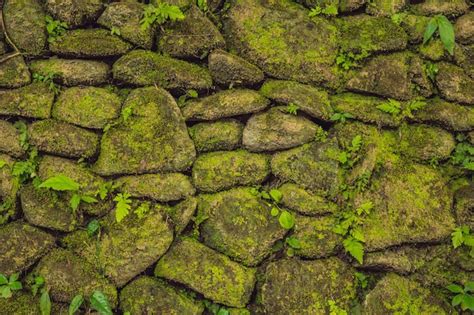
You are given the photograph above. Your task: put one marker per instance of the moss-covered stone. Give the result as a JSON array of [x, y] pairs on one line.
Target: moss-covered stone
[[75, 13], [308, 286], [411, 205], [239, 224], [276, 129], [141, 67], [217, 136], [147, 295], [224, 104], [8, 189], [10, 136], [464, 206], [350, 5], [432, 7], [89, 107], [414, 26], [230, 70], [283, 41], [397, 295], [20, 304], [14, 73], [386, 7], [67, 275], [449, 115], [21, 246], [464, 28], [89, 43], [313, 166], [454, 84], [125, 17], [159, 187], [33, 101], [55, 137], [182, 213], [304, 201], [26, 25], [208, 272], [311, 100], [193, 37], [153, 139], [222, 170], [71, 72]]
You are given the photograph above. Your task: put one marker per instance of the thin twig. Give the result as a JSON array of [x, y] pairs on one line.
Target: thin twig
[[2, 24], [10, 56]]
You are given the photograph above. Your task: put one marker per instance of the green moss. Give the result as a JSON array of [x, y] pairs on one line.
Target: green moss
[[454, 84], [10, 139], [385, 7], [414, 26], [449, 115], [215, 136], [305, 202], [433, 50], [8, 190], [14, 73], [20, 304], [33, 101], [76, 13]]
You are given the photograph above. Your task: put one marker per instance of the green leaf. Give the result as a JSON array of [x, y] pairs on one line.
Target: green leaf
[[457, 238], [430, 30], [122, 208], [446, 32], [468, 302], [75, 201], [15, 285], [455, 288], [358, 235], [100, 303], [355, 248], [60, 183], [2, 163], [75, 304], [93, 227], [293, 242], [14, 277], [88, 199], [276, 195], [3, 279], [469, 287], [286, 219], [390, 107], [5, 292], [457, 299], [274, 212], [45, 303]]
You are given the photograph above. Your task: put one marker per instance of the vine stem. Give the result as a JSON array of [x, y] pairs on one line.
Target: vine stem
[[2, 25], [10, 56]]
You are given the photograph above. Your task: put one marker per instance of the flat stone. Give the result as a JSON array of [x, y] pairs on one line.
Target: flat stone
[[414, 26], [148, 295], [141, 67], [449, 115], [230, 70], [225, 104], [304, 201], [454, 84], [89, 43], [311, 100], [14, 73], [308, 286], [21, 246], [26, 25], [159, 187], [217, 136], [32, 101], [71, 72], [216, 171], [182, 213], [8, 190], [239, 225], [433, 7], [464, 206], [193, 37], [208, 272], [277, 129], [386, 7], [153, 139], [10, 136], [125, 17], [88, 107], [75, 13], [464, 28], [55, 137], [350, 5]]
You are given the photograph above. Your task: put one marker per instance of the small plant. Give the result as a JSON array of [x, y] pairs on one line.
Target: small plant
[[431, 70], [399, 112], [334, 309], [2, 163], [93, 228], [188, 95], [115, 31], [160, 14], [25, 170], [398, 18], [215, 309], [48, 79], [37, 285], [45, 303], [347, 59], [142, 209], [75, 305], [446, 32], [198, 219], [321, 135], [202, 5], [292, 108], [122, 206], [98, 302], [55, 28], [464, 295], [462, 236], [340, 117], [23, 134], [362, 280], [328, 10], [293, 244], [463, 154], [351, 156], [8, 285], [272, 200]]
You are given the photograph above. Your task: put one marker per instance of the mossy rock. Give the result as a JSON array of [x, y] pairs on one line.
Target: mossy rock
[[464, 28], [208, 272], [89, 43], [304, 201], [464, 206], [402, 260], [414, 26], [276, 129], [67, 275], [44, 208], [182, 213], [239, 224], [283, 41], [159, 187], [71, 72], [433, 7], [153, 139], [193, 37], [14, 73], [308, 286], [26, 25], [449, 115], [88, 107], [464, 57], [20, 304], [21, 246], [411, 205], [32, 101], [141, 67], [313, 166], [386, 7], [217, 136], [228, 69], [75, 13], [147, 295], [221, 170], [454, 84], [60, 138], [125, 17], [8, 189], [394, 294], [350, 5], [10, 140], [311, 100], [223, 104]]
